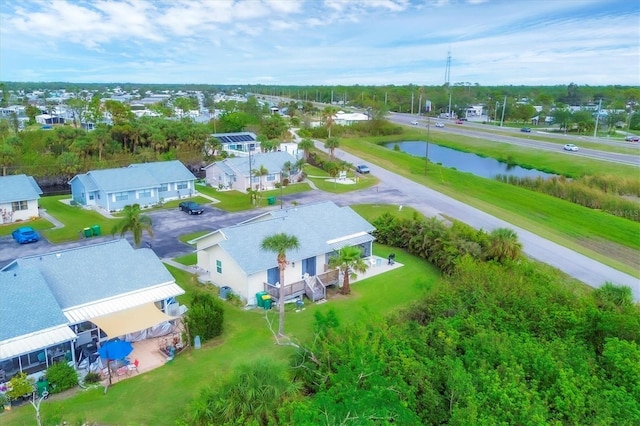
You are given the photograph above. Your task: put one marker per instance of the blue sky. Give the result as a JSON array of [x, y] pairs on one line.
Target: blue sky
[[326, 42]]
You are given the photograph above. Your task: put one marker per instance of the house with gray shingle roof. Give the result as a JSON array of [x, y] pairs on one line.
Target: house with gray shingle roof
[[19, 196], [233, 256], [54, 304], [237, 172], [146, 184]]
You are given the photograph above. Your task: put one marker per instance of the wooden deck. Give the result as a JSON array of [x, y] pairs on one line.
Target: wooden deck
[[314, 287]]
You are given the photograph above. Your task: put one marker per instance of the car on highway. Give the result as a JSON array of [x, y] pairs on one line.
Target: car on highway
[[191, 207], [362, 168], [439, 124], [526, 130], [25, 235], [459, 122], [570, 147], [632, 138], [414, 122]]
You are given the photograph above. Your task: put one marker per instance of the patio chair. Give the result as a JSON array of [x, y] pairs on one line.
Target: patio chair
[[134, 366]]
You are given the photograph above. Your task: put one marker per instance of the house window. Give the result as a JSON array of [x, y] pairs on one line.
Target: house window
[[91, 197], [121, 196], [145, 193], [164, 187], [219, 266], [19, 205], [271, 177], [255, 179], [182, 185]]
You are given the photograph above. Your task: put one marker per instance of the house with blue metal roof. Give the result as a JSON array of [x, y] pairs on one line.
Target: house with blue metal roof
[[241, 173], [234, 258], [146, 184], [55, 305], [19, 196]]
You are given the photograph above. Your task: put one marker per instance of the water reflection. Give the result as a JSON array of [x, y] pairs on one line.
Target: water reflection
[[464, 161]]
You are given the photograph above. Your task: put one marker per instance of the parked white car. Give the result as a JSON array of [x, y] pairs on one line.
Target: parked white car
[[439, 124], [414, 122], [570, 147]]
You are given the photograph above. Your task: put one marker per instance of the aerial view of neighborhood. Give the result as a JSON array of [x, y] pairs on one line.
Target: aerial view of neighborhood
[[319, 212]]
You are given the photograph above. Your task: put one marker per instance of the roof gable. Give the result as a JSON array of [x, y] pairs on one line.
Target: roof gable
[[18, 188], [166, 171], [272, 161]]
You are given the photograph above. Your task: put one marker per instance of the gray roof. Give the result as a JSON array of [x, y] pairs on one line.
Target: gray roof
[[18, 188], [272, 161], [167, 171], [26, 305], [315, 226], [96, 272], [136, 176]]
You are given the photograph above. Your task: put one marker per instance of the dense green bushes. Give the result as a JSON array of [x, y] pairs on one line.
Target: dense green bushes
[[205, 316], [61, 376], [597, 192], [498, 344]]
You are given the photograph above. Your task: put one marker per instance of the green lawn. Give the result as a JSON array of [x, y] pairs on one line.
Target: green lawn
[[234, 201], [159, 396]]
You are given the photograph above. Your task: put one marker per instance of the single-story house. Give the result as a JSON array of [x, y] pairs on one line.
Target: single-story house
[[348, 118], [55, 305], [49, 119], [19, 196], [234, 258], [239, 172], [146, 184], [238, 143]]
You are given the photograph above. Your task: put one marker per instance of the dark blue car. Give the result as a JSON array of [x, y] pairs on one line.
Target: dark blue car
[[25, 235]]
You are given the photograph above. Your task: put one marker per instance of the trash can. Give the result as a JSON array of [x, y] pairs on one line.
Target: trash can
[[266, 301], [87, 232], [259, 300], [43, 387], [271, 200], [95, 229], [224, 292]]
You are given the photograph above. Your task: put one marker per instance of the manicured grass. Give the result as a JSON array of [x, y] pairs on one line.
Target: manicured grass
[[159, 397], [234, 201], [187, 259], [38, 224], [612, 240], [185, 238], [320, 178], [373, 211]]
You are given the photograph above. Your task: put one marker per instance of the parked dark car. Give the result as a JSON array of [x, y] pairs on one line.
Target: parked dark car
[[362, 169], [25, 235], [526, 129], [191, 207]]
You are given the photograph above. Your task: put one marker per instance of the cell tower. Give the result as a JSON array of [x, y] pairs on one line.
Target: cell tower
[[447, 71]]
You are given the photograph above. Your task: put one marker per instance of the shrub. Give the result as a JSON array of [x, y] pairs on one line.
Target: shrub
[[61, 377], [205, 316], [92, 377]]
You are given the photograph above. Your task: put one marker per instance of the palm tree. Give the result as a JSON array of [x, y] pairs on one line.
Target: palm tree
[[133, 221], [306, 145], [280, 243], [503, 245], [327, 115], [331, 144], [262, 171], [349, 261]]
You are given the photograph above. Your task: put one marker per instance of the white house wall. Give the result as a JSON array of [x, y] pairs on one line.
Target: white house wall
[[231, 276], [19, 215]]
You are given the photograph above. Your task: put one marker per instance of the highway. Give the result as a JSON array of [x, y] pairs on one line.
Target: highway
[[514, 136]]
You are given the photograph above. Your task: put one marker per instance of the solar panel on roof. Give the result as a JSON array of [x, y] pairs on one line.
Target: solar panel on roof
[[224, 139], [246, 138]]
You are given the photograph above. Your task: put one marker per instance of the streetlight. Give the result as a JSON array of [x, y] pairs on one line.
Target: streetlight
[[427, 111]]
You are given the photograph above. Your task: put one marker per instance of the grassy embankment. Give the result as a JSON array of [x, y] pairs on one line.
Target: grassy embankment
[[606, 238]]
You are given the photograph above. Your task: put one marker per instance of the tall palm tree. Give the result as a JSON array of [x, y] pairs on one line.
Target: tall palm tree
[[331, 144], [349, 261], [280, 244], [135, 222], [503, 245], [327, 115], [305, 145]]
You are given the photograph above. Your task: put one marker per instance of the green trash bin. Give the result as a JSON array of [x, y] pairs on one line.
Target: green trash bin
[[266, 301], [95, 229], [259, 300], [87, 232], [271, 200]]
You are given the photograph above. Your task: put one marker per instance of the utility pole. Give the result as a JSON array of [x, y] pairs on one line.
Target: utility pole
[[597, 118], [504, 106], [411, 103]]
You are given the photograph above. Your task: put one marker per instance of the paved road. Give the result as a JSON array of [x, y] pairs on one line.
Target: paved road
[[399, 190], [515, 137], [393, 189]]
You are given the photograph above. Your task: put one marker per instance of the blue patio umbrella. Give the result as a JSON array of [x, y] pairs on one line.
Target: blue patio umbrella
[[115, 349]]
